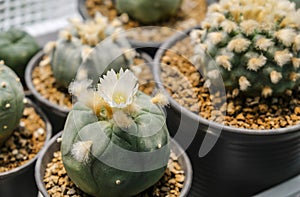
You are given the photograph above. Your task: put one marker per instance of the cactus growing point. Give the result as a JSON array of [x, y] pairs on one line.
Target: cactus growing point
[[115, 141], [148, 11], [254, 45], [11, 101], [77, 44]]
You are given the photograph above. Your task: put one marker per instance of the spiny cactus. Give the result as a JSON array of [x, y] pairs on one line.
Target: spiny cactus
[[16, 48], [148, 11], [115, 140], [76, 43], [253, 44], [11, 101]]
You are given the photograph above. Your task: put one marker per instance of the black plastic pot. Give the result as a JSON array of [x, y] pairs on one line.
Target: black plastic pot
[[53, 146], [242, 162], [20, 182], [56, 114], [147, 47]]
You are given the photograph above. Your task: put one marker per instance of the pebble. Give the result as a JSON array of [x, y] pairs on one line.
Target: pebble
[[58, 183], [44, 83], [255, 113], [191, 13], [21, 147]]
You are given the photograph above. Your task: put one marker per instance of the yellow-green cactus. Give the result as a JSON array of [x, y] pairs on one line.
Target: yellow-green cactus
[[11, 101], [148, 11], [76, 43], [253, 44], [115, 140]]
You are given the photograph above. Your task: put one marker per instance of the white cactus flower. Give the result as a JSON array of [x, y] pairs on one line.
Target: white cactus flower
[[118, 89]]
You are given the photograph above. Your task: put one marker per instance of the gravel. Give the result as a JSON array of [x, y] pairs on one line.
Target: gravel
[[26, 141], [191, 13], [186, 85], [44, 82], [58, 183]]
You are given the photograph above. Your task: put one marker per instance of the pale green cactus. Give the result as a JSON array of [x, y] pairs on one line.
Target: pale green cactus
[[115, 141], [253, 44], [75, 44], [11, 101], [148, 11]]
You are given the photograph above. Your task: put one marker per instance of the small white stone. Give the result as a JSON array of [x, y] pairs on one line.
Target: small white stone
[[40, 131], [22, 124]]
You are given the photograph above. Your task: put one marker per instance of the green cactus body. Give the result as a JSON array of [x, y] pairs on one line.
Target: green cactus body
[[76, 42], [148, 11], [11, 102], [91, 171], [16, 49], [65, 60], [253, 45]]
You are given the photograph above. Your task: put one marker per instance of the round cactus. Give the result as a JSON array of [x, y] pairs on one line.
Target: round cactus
[[253, 45], [148, 11], [115, 141], [76, 43], [11, 101], [16, 48]]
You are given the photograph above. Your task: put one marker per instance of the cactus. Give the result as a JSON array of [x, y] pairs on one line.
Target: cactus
[[148, 11], [253, 44], [297, 2], [11, 101], [16, 49], [75, 44], [109, 134]]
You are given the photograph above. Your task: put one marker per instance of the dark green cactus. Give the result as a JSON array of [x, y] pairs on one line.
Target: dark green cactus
[[16, 49], [11, 101], [116, 147], [148, 11], [77, 41], [254, 45]]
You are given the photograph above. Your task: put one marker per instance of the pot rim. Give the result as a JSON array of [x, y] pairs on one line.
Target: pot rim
[[37, 174], [212, 125], [135, 43], [28, 79], [14, 172], [182, 154]]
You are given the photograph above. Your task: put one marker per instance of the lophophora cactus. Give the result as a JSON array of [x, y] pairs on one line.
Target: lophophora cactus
[[17, 47], [115, 140], [253, 44], [77, 43], [148, 11], [11, 101]]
